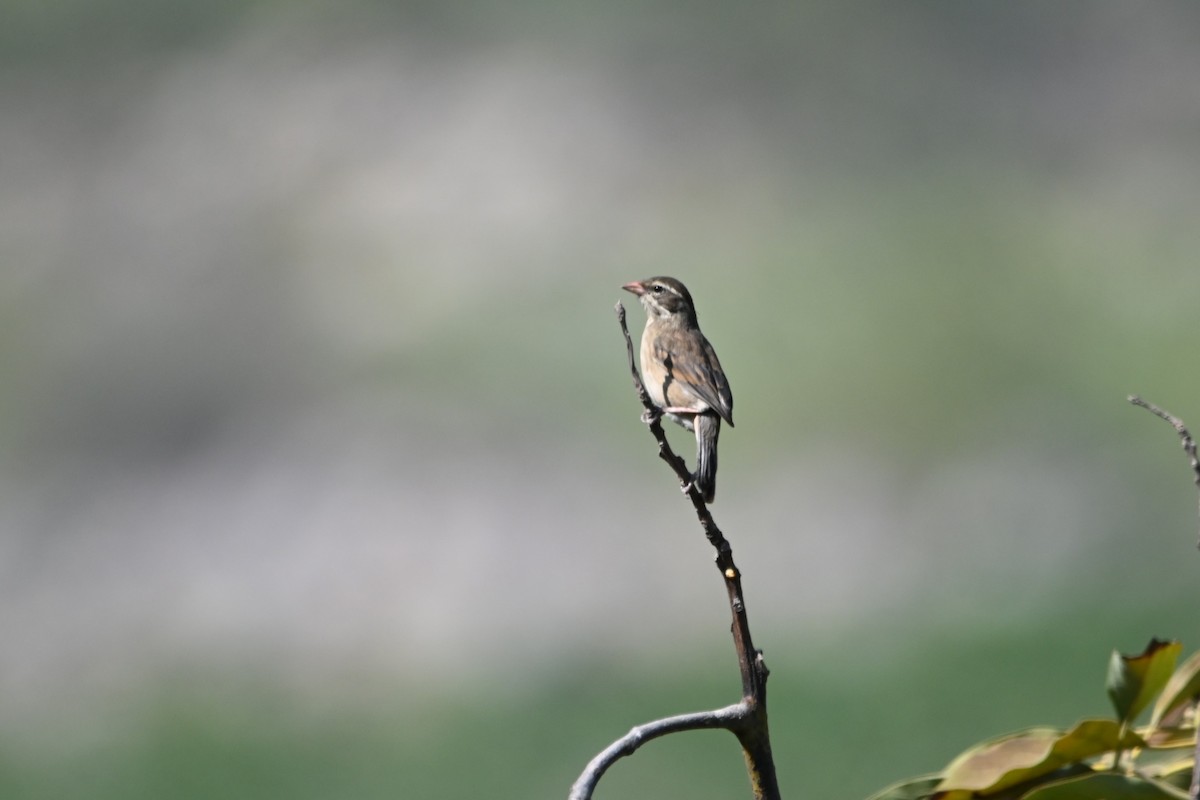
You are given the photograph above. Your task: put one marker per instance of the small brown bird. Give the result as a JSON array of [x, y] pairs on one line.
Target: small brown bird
[[682, 373]]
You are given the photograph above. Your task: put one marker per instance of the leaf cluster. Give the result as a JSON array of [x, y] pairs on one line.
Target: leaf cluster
[[1097, 758]]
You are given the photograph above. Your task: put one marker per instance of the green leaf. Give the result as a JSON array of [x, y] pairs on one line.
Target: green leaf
[[1106, 786], [1023, 756], [911, 789], [1133, 681], [1182, 688]]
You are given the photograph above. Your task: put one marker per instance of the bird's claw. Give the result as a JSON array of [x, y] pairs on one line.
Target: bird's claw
[[651, 416]]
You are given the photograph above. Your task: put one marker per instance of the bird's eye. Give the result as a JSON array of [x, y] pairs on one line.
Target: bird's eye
[[658, 288]]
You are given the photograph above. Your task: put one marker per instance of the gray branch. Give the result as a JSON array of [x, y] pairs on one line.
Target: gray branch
[[728, 718]]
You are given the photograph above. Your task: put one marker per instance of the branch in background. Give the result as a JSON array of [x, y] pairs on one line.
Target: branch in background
[[1189, 444], [1189, 447], [748, 719]]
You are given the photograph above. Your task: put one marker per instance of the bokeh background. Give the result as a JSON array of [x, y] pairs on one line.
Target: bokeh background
[[320, 471]]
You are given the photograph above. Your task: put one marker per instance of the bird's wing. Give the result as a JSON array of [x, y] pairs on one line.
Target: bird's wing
[[694, 366]]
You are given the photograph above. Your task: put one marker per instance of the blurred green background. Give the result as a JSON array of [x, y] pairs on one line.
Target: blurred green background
[[320, 471]]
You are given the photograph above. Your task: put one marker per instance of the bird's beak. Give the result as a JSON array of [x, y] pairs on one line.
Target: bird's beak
[[636, 287]]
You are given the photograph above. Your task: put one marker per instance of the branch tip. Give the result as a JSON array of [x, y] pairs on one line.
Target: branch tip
[[1185, 438]]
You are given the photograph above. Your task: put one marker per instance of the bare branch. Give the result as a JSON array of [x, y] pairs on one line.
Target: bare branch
[[727, 718], [1189, 447], [748, 719], [652, 416], [1189, 444]]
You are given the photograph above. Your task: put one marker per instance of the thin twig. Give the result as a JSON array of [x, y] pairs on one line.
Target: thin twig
[[652, 416], [629, 743], [754, 671], [1189, 447], [1189, 444], [748, 719]]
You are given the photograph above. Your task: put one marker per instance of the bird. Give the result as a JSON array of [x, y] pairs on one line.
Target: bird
[[682, 373]]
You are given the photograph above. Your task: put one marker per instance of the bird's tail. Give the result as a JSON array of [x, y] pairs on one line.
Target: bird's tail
[[708, 428]]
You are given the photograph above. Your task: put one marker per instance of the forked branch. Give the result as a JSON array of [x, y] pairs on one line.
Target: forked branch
[[747, 720]]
